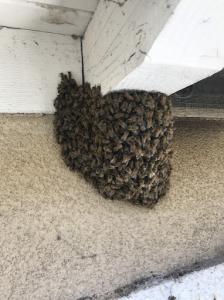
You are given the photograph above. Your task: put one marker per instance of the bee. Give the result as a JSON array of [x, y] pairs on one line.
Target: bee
[[128, 96], [125, 136], [117, 147]]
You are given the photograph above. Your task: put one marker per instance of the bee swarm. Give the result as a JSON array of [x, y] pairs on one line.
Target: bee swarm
[[120, 142]]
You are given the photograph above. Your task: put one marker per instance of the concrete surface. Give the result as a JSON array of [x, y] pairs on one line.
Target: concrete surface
[[60, 240]]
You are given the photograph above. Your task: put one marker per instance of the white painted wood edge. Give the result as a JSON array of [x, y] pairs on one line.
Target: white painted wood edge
[[42, 17], [87, 5], [207, 284], [203, 113], [162, 77]]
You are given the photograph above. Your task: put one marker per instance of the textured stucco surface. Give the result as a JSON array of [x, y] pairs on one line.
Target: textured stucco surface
[[60, 240]]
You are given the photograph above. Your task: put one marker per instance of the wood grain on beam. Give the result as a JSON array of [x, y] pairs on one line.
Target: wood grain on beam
[[43, 17], [119, 36], [30, 66], [154, 45]]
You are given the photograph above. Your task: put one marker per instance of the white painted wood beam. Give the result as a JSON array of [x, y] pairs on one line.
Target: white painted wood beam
[[30, 65], [199, 113], [87, 5], [154, 45], [43, 17]]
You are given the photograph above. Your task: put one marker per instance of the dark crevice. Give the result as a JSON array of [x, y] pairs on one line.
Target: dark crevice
[[35, 30], [82, 59]]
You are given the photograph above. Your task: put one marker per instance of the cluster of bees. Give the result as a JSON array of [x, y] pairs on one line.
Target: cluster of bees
[[120, 142]]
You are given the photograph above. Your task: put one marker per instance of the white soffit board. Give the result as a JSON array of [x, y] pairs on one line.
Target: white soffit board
[[156, 46], [30, 65], [45, 17]]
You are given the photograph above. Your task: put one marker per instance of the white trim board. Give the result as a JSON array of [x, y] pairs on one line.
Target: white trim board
[[200, 113], [154, 45], [87, 5], [205, 285], [30, 66], [43, 17]]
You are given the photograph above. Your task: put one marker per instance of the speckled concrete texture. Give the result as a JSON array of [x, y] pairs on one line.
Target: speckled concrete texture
[[60, 240]]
